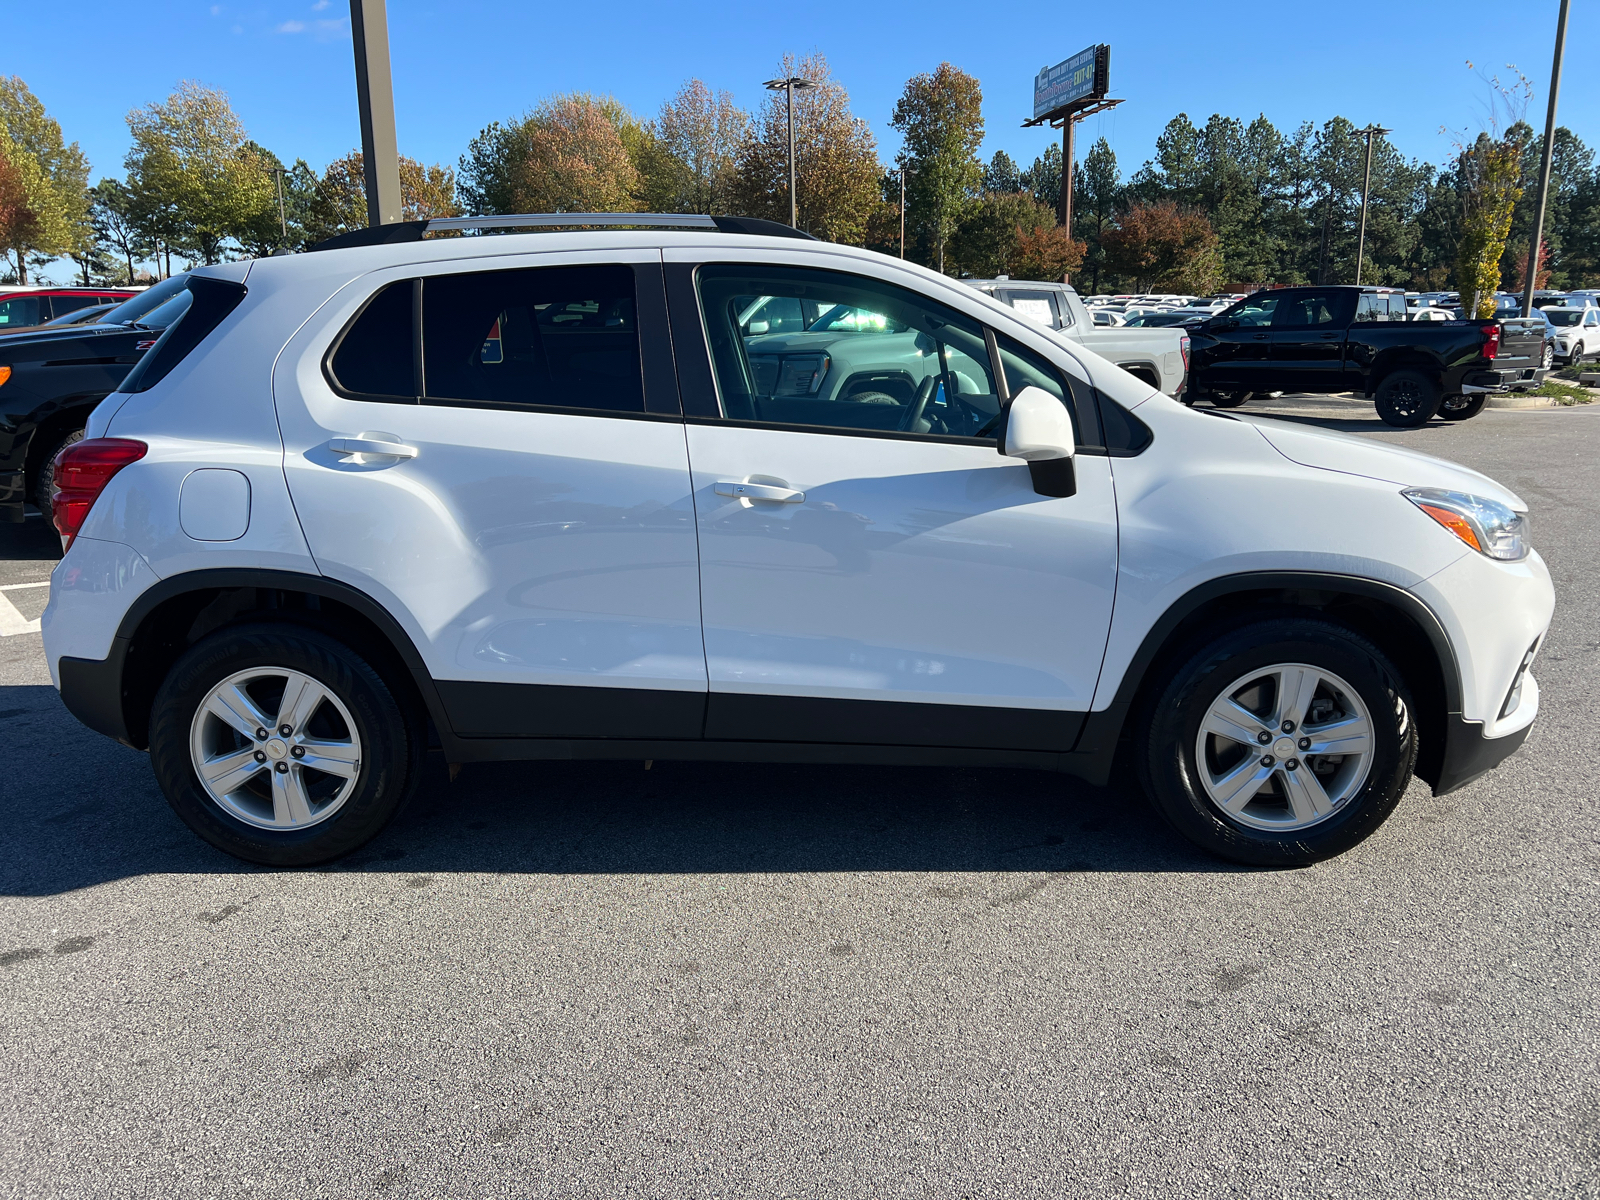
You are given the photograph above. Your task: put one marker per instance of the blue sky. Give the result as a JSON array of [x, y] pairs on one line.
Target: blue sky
[[287, 63]]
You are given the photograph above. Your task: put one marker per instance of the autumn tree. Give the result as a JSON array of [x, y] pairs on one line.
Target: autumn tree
[[48, 181], [1046, 252], [1490, 186], [940, 119], [1162, 245], [338, 201], [566, 155], [984, 242], [194, 179], [702, 132], [836, 159]]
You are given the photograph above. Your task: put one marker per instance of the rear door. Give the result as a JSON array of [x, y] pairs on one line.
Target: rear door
[[493, 450], [1308, 332]]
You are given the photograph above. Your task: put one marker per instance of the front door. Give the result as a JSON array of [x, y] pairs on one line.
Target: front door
[[872, 570], [1240, 347], [1308, 333], [511, 482]]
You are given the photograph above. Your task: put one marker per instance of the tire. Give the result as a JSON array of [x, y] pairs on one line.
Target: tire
[[47, 472], [1278, 822], [283, 813], [1467, 408], [1407, 399], [1229, 399], [1549, 359]]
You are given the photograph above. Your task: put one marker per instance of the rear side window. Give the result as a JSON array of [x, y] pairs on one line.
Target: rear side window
[[23, 310], [1039, 305], [375, 359], [1312, 309], [543, 337]]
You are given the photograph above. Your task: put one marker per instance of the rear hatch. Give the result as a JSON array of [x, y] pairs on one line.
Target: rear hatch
[[1521, 346]]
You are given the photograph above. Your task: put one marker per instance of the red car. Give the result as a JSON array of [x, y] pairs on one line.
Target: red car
[[23, 308]]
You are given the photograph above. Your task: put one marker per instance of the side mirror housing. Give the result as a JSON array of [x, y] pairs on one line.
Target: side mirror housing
[[1038, 430], [756, 328]]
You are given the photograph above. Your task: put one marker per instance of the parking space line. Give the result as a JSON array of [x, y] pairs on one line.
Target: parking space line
[[12, 622], [17, 587]]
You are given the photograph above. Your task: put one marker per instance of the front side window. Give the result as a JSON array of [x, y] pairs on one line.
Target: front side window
[[1255, 311], [542, 337], [806, 348]]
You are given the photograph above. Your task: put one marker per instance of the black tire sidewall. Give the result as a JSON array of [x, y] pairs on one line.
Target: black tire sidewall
[[47, 472], [388, 755], [1383, 400], [1172, 725], [1466, 412], [1229, 399]]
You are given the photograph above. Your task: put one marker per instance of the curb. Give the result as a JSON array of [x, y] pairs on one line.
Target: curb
[[1513, 400]]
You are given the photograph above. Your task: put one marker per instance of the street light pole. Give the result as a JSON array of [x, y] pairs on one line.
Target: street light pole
[[787, 86], [283, 212], [380, 154], [903, 170], [1544, 166], [1371, 131]]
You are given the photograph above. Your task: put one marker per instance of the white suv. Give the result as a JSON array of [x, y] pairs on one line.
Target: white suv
[[550, 495]]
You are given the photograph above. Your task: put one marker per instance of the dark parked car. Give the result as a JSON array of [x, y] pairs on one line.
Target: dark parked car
[[1358, 339], [51, 379]]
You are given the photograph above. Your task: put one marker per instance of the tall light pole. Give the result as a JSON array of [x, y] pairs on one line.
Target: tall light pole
[[283, 212], [903, 170], [380, 154], [1370, 132], [1544, 165], [789, 86]]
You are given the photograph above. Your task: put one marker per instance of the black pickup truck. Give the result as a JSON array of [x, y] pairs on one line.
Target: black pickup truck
[[51, 379], [1357, 339]]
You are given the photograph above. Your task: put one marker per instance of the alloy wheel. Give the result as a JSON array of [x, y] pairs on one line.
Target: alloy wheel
[[275, 748], [1285, 747]]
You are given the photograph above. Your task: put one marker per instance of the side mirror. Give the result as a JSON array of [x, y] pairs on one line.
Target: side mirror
[[756, 328], [1038, 430]]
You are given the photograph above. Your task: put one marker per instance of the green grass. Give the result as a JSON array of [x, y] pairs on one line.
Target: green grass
[[1564, 393]]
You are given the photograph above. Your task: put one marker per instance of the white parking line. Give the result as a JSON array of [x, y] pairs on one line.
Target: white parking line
[[17, 587], [12, 622]]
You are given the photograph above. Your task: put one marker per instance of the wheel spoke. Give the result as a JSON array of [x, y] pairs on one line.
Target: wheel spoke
[[290, 804], [1232, 720], [301, 695], [1306, 796], [228, 772], [1240, 785], [1296, 687], [230, 704], [1351, 735], [333, 758]]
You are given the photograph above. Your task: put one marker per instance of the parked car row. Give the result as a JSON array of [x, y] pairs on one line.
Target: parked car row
[[28, 307]]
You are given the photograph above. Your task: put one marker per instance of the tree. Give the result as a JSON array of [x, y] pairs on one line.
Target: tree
[[1043, 179], [1098, 187], [20, 220], [115, 230], [194, 178], [985, 241], [1489, 175], [1002, 174], [836, 159], [1045, 253], [566, 155], [50, 177], [702, 133], [940, 119], [1161, 244], [338, 201]]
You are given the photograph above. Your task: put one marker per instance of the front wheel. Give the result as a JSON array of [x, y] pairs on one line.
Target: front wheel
[[1462, 408], [1279, 743], [281, 745], [1230, 399], [1549, 359], [1407, 399]]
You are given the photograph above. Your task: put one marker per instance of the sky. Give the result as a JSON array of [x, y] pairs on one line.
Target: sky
[[287, 64]]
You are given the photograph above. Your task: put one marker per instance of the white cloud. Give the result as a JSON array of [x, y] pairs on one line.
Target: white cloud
[[216, 10], [319, 5], [292, 27]]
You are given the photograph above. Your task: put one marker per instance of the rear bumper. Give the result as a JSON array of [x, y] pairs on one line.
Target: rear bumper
[[92, 691], [1468, 754], [1501, 379]]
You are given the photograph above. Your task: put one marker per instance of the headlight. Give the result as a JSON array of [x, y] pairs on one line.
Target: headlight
[[1489, 527]]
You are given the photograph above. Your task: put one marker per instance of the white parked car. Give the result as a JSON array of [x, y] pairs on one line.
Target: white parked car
[[1577, 332], [551, 496]]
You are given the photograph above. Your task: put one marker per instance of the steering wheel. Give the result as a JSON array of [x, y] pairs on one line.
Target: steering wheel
[[917, 407]]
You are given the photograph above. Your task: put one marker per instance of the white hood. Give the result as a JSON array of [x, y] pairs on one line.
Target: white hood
[[1350, 455]]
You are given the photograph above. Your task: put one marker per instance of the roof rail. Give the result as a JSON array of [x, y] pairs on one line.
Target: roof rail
[[413, 231]]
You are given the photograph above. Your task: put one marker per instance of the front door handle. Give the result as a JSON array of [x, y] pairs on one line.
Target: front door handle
[[377, 447], [759, 491], [1260, 337]]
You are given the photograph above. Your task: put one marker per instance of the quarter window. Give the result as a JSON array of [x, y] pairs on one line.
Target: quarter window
[[374, 359]]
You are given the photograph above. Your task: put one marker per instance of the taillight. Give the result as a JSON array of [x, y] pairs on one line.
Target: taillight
[[82, 471], [1183, 344], [1491, 343]]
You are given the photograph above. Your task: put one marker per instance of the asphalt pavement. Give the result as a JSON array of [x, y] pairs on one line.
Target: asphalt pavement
[[569, 979]]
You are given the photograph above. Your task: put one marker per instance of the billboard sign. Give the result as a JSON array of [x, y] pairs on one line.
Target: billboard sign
[[1087, 73]]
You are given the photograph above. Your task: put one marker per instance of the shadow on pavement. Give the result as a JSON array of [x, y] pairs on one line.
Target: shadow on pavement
[[80, 810]]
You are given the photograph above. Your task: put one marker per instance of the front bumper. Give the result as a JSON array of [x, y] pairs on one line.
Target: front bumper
[[1468, 754]]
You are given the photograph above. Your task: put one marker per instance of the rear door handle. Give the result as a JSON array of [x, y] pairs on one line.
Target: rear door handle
[[377, 447], [759, 491]]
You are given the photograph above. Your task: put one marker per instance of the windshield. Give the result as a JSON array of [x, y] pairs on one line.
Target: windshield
[[146, 302], [1563, 316]]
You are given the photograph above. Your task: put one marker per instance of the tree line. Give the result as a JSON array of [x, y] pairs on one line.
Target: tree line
[[1228, 204]]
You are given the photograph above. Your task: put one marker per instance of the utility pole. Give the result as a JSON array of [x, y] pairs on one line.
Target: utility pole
[[283, 212], [1544, 165], [788, 86], [1065, 205], [380, 154], [1370, 132], [903, 170]]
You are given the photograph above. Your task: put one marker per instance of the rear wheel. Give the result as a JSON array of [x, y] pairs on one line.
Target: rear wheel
[[1230, 399], [281, 745], [1407, 399], [1462, 408], [1279, 743], [47, 472]]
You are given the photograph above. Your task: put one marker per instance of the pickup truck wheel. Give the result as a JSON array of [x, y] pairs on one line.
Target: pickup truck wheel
[[1230, 399], [280, 745], [1279, 743], [1465, 407], [1407, 399]]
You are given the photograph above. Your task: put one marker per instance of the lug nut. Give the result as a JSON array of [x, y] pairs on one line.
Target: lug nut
[[1287, 726], [298, 752], [285, 730], [1263, 737], [283, 768], [261, 735], [260, 757], [1293, 764], [1267, 760], [1305, 743]]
